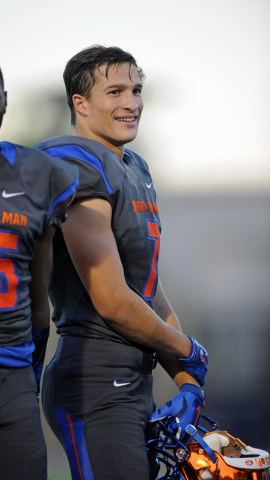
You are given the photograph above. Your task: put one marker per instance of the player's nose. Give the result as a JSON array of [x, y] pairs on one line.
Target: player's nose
[[130, 102]]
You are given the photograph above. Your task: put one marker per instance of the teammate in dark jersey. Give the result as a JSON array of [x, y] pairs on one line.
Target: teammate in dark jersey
[[109, 305], [35, 190]]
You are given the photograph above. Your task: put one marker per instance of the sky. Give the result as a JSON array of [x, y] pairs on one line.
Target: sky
[[206, 119]]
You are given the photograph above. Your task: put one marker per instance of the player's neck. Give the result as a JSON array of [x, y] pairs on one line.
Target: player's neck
[[82, 132]]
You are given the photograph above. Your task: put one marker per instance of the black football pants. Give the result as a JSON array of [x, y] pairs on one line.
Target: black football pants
[[97, 396], [23, 453]]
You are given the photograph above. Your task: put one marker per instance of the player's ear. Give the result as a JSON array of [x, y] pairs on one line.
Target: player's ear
[[80, 103]]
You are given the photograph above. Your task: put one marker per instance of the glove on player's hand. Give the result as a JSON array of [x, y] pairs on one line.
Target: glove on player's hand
[[196, 364], [186, 407]]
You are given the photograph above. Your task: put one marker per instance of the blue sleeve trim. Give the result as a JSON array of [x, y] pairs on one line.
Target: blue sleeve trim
[[75, 151], [8, 150], [70, 191]]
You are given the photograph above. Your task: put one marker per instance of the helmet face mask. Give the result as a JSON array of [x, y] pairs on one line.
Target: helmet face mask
[[229, 458], [161, 449]]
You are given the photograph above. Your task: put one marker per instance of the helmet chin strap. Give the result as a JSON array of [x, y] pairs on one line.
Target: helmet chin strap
[[193, 432]]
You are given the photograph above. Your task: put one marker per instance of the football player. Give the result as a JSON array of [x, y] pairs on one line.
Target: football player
[[110, 309], [35, 190]]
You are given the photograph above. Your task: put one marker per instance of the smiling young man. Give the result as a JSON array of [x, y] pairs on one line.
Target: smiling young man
[[109, 306]]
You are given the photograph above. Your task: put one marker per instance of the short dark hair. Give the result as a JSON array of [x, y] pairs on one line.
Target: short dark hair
[[79, 74], [2, 80]]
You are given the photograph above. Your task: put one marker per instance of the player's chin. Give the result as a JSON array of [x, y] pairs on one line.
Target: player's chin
[[129, 135]]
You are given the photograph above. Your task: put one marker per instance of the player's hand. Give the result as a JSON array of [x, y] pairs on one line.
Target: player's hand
[[185, 407], [196, 364]]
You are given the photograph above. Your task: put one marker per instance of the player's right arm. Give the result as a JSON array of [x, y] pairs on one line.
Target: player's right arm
[[93, 250]]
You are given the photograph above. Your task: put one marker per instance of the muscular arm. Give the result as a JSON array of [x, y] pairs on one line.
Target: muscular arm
[[40, 270], [93, 250], [169, 362]]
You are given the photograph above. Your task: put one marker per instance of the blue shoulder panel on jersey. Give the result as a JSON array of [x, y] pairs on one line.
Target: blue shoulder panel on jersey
[[18, 356], [75, 151], [8, 151], [67, 193]]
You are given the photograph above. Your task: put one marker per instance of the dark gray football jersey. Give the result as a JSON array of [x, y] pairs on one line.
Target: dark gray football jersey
[[127, 184], [35, 190]]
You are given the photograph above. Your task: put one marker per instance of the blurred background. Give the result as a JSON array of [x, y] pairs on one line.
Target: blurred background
[[205, 135]]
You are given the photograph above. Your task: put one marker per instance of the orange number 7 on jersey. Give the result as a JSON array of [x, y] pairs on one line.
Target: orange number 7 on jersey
[[9, 242], [153, 234]]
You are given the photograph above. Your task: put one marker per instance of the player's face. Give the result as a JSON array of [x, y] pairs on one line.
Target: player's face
[[115, 106], [3, 103]]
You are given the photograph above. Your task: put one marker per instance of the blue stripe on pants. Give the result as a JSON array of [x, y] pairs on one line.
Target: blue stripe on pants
[[73, 431]]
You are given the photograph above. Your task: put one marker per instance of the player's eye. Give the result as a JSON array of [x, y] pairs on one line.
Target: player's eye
[[114, 92], [137, 91]]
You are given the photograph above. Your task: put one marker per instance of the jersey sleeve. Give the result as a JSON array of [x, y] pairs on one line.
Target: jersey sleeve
[[91, 162], [93, 182], [64, 180]]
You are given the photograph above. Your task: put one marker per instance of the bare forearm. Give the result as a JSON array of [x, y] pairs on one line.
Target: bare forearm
[[169, 362], [173, 367], [40, 270], [136, 321], [41, 315]]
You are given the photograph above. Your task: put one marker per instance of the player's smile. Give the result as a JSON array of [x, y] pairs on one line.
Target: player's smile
[[129, 122], [127, 119], [113, 110]]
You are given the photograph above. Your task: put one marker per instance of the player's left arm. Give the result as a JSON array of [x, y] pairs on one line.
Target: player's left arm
[[187, 405], [40, 270], [170, 363]]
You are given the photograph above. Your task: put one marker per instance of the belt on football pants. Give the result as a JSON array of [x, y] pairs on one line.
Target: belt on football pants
[[149, 361]]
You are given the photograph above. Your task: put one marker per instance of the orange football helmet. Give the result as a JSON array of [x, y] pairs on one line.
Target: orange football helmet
[[203, 455]]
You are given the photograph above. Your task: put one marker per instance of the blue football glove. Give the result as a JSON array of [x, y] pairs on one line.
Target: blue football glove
[[196, 364], [185, 407]]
